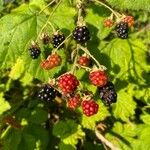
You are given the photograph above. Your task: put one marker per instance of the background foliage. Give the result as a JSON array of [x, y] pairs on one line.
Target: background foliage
[[128, 61]]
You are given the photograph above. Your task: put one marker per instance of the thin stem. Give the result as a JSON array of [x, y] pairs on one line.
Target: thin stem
[[48, 20], [5, 132], [114, 12], [84, 67], [75, 60], [52, 26], [79, 5], [105, 141], [47, 6]]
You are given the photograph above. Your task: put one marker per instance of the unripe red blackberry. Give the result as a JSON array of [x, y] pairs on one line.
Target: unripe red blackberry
[[122, 30], [52, 61], [89, 107], [108, 23], [67, 83], [47, 93], [34, 51], [57, 39], [108, 94], [129, 20], [98, 78], [74, 102], [45, 65], [84, 61], [81, 34]]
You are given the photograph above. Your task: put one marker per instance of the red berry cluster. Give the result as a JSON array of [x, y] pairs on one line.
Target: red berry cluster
[[52, 61], [74, 102], [98, 78], [84, 61], [108, 23], [90, 107], [68, 83]]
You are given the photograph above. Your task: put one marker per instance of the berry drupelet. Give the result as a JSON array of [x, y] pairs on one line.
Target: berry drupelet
[[47, 93], [34, 51], [122, 30], [57, 39], [108, 94], [81, 34]]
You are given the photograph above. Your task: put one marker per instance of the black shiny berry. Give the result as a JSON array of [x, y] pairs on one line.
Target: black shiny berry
[[122, 30], [47, 93], [34, 51], [108, 94], [81, 34], [57, 40]]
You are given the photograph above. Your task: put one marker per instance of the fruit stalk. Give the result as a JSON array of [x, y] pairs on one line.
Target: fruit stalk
[[105, 141], [106, 6]]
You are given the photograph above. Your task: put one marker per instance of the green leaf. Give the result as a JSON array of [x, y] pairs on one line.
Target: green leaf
[[128, 4], [28, 142], [123, 59], [95, 18], [125, 106], [146, 119], [12, 139], [143, 138], [63, 146], [26, 79], [4, 105], [38, 116], [123, 135], [17, 69], [71, 132], [39, 133], [66, 12], [90, 122]]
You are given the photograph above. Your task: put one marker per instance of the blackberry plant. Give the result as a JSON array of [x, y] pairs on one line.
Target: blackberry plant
[[76, 93]]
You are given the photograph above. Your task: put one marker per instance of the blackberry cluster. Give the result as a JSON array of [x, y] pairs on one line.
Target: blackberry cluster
[[34, 51], [47, 93], [122, 30], [57, 40], [108, 94], [81, 34]]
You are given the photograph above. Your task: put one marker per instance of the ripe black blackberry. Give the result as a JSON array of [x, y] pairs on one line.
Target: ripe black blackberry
[[81, 34], [57, 39], [34, 51], [47, 93], [122, 30], [108, 94]]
